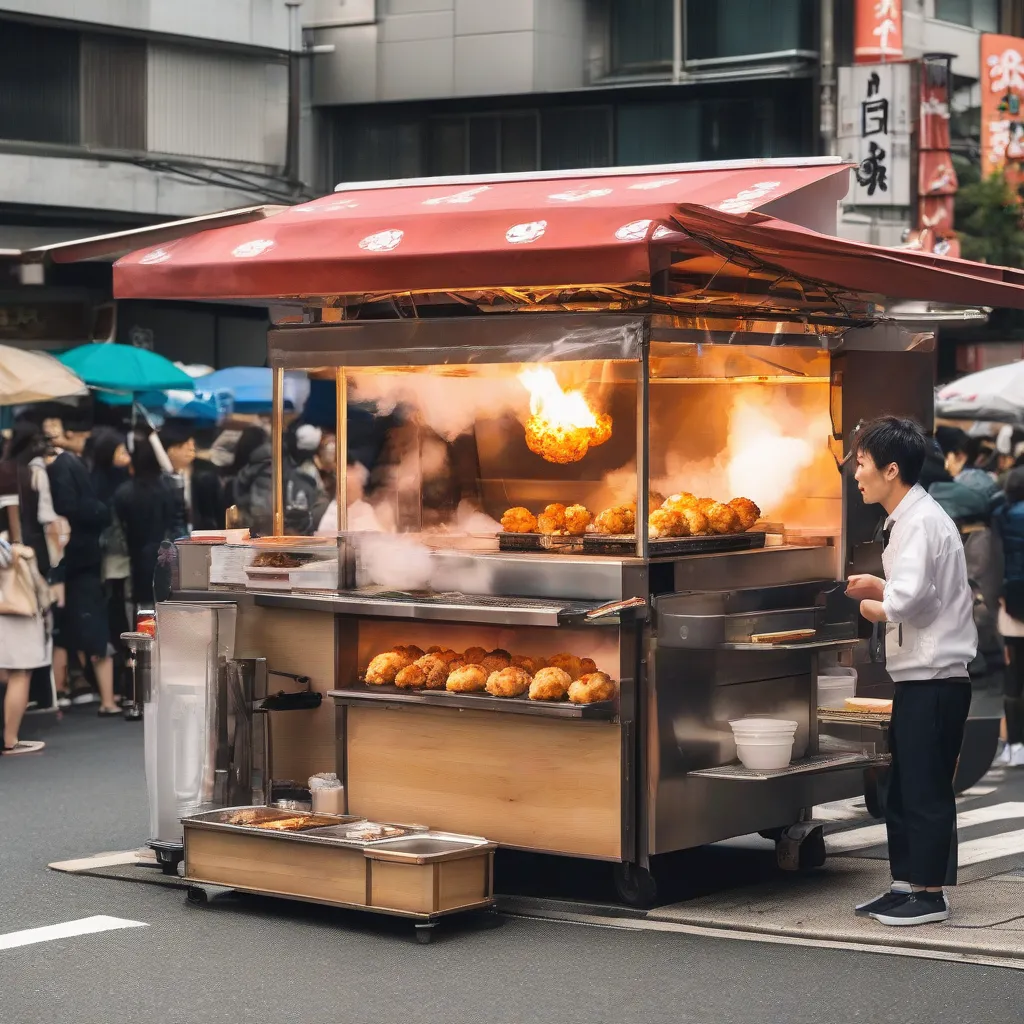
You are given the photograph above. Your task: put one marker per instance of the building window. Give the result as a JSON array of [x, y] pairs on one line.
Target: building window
[[374, 150], [483, 143], [573, 137], [743, 28], [982, 15], [641, 34], [39, 84]]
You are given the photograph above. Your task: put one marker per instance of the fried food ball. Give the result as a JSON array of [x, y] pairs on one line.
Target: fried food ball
[[448, 655], [435, 671], [748, 512], [619, 519], [412, 677], [508, 682], [588, 665], [723, 518], [519, 520], [496, 660], [411, 651], [474, 655], [679, 502], [528, 663], [550, 684], [468, 679], [591, 688], [383, 669], [600, 433], [500, 652], [568, 663], [434, 650], [577, 519], [557, 444], [664, 522], [704, 503], [696, 520], [552, 519]]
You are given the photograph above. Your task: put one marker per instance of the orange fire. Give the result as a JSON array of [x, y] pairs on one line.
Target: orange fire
[[562, 426]]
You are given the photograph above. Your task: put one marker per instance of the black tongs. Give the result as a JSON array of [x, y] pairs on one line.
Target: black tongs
[[303, 700]]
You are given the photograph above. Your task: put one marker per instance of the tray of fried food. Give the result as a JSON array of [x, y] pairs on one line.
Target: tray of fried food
[[556, 526], [268, 819], [495, 673]]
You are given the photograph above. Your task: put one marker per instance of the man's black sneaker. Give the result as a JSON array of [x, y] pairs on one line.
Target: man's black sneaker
[[918, 908], [880, 904]]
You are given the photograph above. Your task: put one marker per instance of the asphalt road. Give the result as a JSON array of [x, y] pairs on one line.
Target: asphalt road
[[264, 960]]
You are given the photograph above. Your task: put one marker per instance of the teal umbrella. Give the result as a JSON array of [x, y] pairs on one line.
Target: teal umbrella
[[125, 368]]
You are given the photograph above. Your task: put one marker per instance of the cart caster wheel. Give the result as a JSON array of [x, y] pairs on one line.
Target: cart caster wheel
[[801, 847], [197, 896], [169, 861], [424, 934], [635, 886]]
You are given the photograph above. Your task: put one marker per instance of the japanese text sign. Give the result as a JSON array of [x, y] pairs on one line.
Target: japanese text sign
[[875, 126], [878, 30], [1002, 100]]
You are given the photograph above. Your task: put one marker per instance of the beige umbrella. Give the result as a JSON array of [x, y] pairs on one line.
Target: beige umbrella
[[34, 377]]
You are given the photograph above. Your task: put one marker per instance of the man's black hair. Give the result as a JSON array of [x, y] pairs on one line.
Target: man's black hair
[[1015, 486], [176, 430], [890, 439]]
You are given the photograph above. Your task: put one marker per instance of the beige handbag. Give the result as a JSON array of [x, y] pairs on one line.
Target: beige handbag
[[18, 590]]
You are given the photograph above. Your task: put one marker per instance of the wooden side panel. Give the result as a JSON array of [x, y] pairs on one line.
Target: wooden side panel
[[408, 887], [333, 874], [536, 783], [301, 642], [463, 882]]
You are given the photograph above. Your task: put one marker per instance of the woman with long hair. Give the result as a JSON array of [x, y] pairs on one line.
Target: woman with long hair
[[25, 511]]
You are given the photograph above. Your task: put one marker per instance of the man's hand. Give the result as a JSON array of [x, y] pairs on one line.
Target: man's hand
[[864, 587], [873, 611]]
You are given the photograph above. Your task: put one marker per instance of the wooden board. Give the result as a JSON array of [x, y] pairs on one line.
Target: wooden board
[[462, 882], [331, 874], [301, 642], [536, 783], [407, 887]]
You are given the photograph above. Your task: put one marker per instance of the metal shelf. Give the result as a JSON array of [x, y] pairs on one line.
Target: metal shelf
[[395, 697], [816, 764]]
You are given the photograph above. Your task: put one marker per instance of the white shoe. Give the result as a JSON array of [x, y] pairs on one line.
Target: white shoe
[[1002, 759], [1016, 755]]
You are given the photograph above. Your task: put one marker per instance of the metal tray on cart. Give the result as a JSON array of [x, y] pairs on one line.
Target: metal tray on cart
[[625, 544], [541, 542]]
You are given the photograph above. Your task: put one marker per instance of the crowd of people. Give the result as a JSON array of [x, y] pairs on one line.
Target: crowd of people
[[85, 510], [979, 482]]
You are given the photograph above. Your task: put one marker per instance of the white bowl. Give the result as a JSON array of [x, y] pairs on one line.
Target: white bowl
[[765, 755], [764, 726]]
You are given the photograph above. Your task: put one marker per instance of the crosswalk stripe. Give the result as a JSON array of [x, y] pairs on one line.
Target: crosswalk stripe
[[85, 926], [874, 835], [1003, 844], [841, 810]]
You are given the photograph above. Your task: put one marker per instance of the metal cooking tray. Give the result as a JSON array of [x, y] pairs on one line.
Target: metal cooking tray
[[538, 542], [625, 544], [252, 820]]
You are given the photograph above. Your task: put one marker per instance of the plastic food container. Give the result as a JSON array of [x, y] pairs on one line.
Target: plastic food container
[[835, 685], [764, 744]]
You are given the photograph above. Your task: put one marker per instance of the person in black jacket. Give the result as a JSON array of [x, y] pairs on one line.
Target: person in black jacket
[[81, 626], [150, 510]]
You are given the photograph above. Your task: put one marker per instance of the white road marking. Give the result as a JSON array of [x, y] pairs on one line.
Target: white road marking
[[977, 791], [841, 810], [85, 926], [1003, 844], [874, 835], [100, 860]]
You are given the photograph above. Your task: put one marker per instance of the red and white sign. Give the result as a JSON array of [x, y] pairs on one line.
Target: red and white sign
[[1002, 102], [878, 31]]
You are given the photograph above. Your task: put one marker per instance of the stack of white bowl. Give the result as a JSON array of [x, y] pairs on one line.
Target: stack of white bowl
[[764, 744]]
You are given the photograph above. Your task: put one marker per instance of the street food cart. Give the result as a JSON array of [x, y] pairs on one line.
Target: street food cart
[[649, 378]]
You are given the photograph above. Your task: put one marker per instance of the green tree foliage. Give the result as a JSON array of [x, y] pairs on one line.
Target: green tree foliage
[[989, 218]]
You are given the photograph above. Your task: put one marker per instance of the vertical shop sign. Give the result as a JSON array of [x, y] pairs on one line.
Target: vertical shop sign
[[874, 131], [878, 31], [1002, 99]]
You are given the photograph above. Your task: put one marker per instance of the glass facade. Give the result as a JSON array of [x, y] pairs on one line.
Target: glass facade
[[742, 28], [640, 34], [982, 15]]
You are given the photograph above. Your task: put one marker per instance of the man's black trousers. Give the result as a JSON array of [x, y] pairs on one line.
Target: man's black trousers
[[925, 736]]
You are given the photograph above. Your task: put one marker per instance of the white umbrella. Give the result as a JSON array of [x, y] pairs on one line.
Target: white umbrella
[[34, 377], [995, 394]]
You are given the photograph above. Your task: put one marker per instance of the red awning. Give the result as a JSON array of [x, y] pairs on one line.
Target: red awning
[[537, 231], [850, 266]]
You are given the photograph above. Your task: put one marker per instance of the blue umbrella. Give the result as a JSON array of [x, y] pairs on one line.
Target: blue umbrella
[[124, 368], [205, 406], [252, 387]]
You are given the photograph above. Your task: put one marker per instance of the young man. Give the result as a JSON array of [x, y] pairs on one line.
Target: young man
[[82, 624], [178, 439], [925, 605]]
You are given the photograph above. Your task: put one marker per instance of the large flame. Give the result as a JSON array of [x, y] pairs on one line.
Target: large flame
[[562, 425]]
